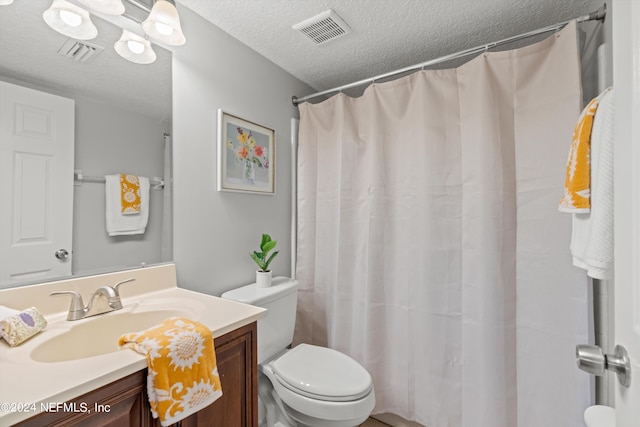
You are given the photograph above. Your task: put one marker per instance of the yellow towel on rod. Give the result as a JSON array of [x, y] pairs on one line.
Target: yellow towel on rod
[[577, 187], [183, 375], [129, 194]]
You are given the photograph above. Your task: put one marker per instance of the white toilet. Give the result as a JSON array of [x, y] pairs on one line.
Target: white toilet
[[306, 385]]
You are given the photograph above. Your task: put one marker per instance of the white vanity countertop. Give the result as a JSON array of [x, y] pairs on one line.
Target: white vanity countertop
[[25, 384]]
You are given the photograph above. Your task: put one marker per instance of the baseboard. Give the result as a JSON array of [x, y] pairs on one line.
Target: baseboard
[[395, 421]]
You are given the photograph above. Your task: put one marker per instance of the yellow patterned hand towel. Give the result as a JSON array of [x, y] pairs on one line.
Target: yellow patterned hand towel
[[577, 187], [183, 376], [129, 194]]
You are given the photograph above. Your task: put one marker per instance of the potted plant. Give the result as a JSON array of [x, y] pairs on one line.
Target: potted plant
[[263, 259]]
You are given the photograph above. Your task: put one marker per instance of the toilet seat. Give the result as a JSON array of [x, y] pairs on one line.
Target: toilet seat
[[312, 372], [324, 407]]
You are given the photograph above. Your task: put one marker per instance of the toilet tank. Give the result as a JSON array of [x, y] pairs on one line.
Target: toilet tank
[[275, 329]]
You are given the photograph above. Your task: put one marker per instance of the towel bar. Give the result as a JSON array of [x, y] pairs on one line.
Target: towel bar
[[79, 178]]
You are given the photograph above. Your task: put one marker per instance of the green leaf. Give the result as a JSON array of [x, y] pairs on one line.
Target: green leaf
[[265, 238], [269, 246], [266, 264], [258, 260]]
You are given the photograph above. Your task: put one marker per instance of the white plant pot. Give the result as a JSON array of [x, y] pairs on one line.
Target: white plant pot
[[263, 279]]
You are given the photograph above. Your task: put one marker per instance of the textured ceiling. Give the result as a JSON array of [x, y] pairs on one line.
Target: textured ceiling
[[387, 34]]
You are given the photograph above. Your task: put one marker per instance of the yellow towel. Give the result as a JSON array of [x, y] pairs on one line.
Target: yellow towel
[[183, 376], [129, 194], [577, 187]]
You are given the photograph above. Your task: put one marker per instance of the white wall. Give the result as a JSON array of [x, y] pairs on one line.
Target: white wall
[[112, 140], [214, 232]]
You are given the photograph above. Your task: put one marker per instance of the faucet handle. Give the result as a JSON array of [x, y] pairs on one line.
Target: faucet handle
[[117, 285], [77, 305]]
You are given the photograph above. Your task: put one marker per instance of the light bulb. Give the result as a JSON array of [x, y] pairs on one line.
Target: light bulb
[[135, 46], [163, 24], [70, 18], [163, 29]]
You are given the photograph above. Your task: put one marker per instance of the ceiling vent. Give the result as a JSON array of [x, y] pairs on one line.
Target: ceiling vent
[[80, 51], [323, 27]]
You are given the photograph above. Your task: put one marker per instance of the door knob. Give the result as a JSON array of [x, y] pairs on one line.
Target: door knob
[[591, 358], [62, 254]]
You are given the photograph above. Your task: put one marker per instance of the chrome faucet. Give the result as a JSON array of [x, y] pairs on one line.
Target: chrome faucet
[[103, 300]]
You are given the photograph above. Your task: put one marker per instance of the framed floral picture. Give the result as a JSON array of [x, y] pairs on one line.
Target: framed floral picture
[[246, 155]]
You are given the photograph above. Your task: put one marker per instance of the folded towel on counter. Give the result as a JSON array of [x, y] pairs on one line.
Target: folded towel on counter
[[183, 375], [592, 236], [19, 327], [577, 187], [118, 223], [129, 194]]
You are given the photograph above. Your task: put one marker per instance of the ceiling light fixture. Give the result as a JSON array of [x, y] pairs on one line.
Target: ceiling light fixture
[[70, 20], [135, 48], [5, 2], [108, 7], [163, 24]]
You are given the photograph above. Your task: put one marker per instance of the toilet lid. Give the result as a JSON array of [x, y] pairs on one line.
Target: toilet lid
[[322, 373]]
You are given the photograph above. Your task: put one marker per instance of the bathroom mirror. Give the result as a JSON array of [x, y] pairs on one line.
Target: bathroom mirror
[[122, 125]]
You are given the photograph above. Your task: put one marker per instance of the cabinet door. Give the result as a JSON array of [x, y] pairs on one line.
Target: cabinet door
[[124, 403], [120, 404], [236, 354]]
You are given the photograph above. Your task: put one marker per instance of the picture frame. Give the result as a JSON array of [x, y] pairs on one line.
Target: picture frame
[[246, 155]]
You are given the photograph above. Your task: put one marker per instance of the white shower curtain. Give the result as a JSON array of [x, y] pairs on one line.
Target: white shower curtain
[[430, 246]]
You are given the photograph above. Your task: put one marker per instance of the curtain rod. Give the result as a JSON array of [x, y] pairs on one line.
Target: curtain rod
[[598, 15]]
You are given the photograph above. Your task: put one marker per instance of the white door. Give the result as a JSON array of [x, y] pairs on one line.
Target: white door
[[36, 184], [626, 83]]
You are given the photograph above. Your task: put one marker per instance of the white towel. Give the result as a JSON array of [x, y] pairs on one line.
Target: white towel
[[119, 224], [592, 236]]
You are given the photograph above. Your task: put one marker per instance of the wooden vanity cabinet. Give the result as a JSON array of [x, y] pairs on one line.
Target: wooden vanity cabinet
[[237, 359], [128, 405]]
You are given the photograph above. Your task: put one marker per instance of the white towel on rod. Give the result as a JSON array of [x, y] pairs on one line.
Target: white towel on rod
[[119, 224], [592, 236]]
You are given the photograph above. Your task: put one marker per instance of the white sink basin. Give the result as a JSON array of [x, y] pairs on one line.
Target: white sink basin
[[98, 335]]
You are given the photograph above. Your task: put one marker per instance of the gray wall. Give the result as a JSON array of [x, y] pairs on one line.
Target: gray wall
[[214, 232], [592, 34], [112, 140]]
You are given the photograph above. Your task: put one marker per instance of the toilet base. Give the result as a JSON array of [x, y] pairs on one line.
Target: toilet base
[[270, 411], [303, 420]]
